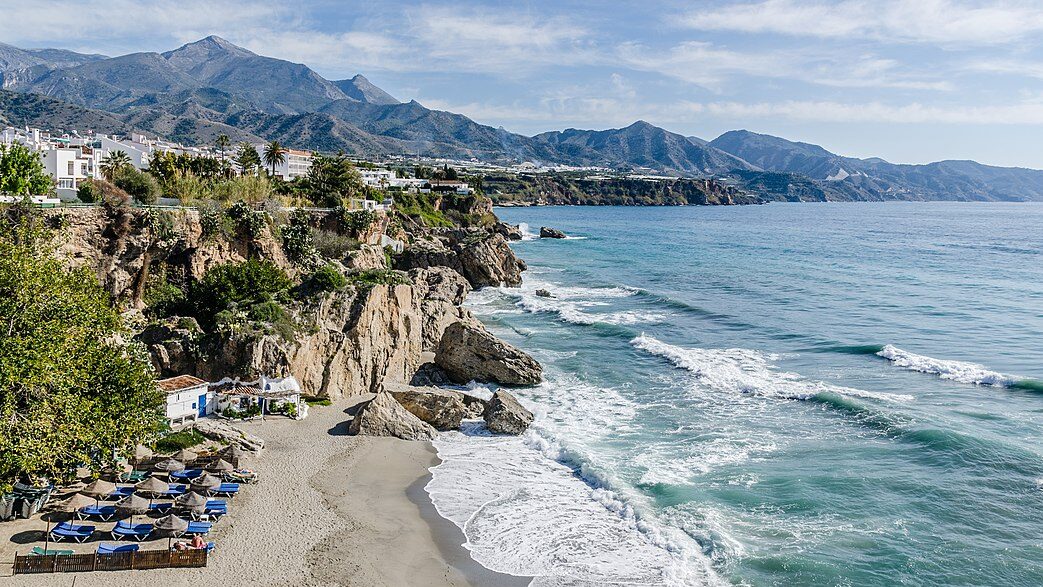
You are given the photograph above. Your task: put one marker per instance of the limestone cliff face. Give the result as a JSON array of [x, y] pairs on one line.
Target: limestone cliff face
[[359, 338], [120, 246], [481, 256]]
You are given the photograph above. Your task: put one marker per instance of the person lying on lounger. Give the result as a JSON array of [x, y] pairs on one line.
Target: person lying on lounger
[[197, 543]]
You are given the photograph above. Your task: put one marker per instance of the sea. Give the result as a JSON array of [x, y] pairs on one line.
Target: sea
[[785, 394]]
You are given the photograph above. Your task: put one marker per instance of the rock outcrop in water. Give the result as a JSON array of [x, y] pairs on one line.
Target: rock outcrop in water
[[469, 352], [504, 415], [442, 408], [547, 232]]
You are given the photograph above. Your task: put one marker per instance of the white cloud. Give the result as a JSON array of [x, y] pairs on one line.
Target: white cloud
[[1030, 112], [943, 22]]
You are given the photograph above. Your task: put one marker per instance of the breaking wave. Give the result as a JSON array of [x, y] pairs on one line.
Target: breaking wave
[[958, 371]]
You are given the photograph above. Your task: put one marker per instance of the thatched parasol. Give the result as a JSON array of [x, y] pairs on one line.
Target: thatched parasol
[[141, 452], [132, 506], [232, 453], [206, 482], [171, 526], [191, 501], [221, 466], [185, 456], [169, 465], [153, 485], [99, 489]]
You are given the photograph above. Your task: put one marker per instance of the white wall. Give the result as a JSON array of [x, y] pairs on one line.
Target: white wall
[[184, 405]]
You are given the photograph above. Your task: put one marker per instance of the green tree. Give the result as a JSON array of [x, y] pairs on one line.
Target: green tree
[[238, 285], [223, 143], [22, 172], [113, 163], [331, 180], [247, 159], [141, 186], [72, 391], [274, 154]]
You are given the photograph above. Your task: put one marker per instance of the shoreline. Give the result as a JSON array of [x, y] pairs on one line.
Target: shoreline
[[329, 510]]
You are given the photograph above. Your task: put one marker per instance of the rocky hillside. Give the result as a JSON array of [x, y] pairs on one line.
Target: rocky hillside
[[550, 189], [376, 323]]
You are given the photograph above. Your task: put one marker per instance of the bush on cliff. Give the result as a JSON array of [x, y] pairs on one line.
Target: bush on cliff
[[141, 186], [71, 391], [325, 279], [238, 285]]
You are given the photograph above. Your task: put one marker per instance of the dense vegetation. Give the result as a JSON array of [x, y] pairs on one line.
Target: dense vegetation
[[71, 391], [22, 173]]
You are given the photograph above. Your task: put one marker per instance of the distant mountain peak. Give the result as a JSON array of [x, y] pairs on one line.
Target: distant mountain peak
[[361, 89], [207, 48]]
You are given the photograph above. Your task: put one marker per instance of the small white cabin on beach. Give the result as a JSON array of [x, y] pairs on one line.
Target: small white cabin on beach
[[188, 398]]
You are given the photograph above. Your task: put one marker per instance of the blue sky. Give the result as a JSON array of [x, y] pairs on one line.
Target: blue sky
[[908, 80]]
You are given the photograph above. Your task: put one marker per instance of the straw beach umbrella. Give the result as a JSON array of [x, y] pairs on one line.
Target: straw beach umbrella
[[221, 466], [71, 505], [205, 482], [99, 489], [153, 486], [132, 506], [191, 501], [171, 526], [232, 453], [141, 452], [169, 465], [185, 456]]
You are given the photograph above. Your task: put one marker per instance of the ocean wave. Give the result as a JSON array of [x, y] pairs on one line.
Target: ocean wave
[[572, 304], [749, 372], [958, 371], [527, 233]]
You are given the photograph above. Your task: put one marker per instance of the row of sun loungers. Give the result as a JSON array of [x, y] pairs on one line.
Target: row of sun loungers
[[124, 530]]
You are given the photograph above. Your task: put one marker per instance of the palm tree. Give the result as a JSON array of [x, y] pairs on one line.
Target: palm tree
[[113, 163], [223, 143], [274, 154]]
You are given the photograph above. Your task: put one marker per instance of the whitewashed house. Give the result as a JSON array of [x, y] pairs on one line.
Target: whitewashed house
[[188, 398]]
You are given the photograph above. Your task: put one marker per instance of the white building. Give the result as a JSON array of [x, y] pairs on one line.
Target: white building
[[296, 165], [188, 398]]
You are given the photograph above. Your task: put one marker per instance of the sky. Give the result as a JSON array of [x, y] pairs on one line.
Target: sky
[[911, 81]]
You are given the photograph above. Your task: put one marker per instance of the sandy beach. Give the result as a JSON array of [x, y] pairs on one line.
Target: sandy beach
[[330, 510]]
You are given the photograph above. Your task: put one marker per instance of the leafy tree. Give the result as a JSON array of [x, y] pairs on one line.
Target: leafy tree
[[274, 154], [232, 285], [331, 180], [113, 163], [325, 278], [141, 186], [247, 159], [22, 172], [72, 391]]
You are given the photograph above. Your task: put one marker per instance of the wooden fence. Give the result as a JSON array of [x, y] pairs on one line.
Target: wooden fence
[[120, 561]]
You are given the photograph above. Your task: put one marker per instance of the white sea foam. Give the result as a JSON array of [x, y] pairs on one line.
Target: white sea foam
[[958, 371], [748, 371], [535, 506], [527, 233], [573, 304]]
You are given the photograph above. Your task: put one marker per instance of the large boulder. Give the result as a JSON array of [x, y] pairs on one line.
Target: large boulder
[[442, 408], [548, 232], [504, 415], [469, 352], [384, 416], [224, 432], [510, 232], [484, 258]]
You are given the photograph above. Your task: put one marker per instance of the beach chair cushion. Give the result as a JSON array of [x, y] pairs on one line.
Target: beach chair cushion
[[160, 507], [227, 488], [121, 492], [186, 474], [103, 513], [199, 528], [38, 551], [114, 548], [124, 529], [177, 489]]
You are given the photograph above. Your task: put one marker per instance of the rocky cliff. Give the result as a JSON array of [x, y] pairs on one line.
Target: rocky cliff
[[343, 342]]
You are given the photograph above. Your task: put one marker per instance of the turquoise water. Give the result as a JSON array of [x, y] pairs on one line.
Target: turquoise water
[[790, 394]]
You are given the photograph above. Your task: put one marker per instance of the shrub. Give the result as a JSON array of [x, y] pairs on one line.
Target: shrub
[[326, 278], [296, 241], [141, 186], [289, 410], [176, 441], [88, 192], [355, 221], [251, 222], [333, 245], [213, 223], [186, 187], [269, 311], [231, 285], [161, 297]]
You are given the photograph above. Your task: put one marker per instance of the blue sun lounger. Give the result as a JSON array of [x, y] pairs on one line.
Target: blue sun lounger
[[74, 532], [121, 492], [117, 548], [185, 475], [124, 530], [103, 513], [202, 528], [175, 490], [38, 551], [160, 508], [226, 489]]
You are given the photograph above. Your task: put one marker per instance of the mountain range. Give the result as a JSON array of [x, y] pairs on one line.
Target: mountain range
[[212, 87]]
